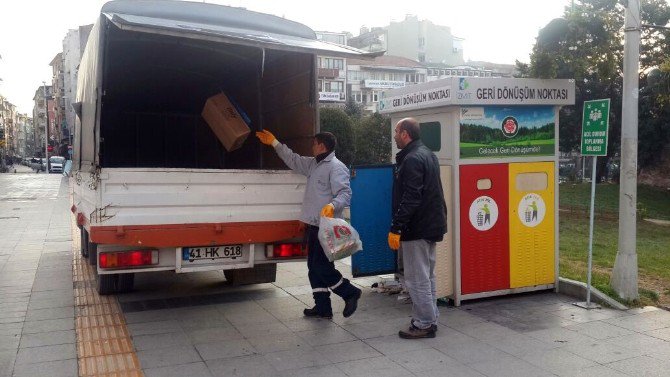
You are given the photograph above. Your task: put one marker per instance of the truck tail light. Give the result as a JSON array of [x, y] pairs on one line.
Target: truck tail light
[[285, 250], [133, 258]]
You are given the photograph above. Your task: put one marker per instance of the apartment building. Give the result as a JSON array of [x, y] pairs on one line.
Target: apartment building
[[367, 79], [332, 72]]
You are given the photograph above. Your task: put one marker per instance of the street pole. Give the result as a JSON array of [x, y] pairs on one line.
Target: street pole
[[624, 274]]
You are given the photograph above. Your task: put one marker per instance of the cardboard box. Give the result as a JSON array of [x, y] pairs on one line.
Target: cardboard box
[[226, 122]]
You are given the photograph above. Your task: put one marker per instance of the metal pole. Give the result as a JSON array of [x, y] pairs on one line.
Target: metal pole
[[624, 274], [583, 169], [593, 199]]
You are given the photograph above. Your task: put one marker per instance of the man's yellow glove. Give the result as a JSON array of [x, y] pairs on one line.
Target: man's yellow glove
[[266, 137], [394, 241], [328, 210]]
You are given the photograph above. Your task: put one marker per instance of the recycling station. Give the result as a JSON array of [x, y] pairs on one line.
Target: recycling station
[[497, 143]]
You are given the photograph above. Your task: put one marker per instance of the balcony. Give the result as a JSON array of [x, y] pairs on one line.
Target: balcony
[[328, 73]]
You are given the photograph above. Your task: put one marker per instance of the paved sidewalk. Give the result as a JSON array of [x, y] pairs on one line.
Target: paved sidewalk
[[198, 325], [37, 334]]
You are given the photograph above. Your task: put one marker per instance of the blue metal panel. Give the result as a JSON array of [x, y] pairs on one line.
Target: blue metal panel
[[372, 188]]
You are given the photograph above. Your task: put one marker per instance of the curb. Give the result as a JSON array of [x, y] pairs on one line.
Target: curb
[[577, 289]]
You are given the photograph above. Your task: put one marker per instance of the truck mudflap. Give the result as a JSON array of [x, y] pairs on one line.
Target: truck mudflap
[[181, 235]]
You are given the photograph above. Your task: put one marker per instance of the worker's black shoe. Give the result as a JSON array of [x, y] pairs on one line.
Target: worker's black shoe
[[312, 312], [416, 333], [351, 304]]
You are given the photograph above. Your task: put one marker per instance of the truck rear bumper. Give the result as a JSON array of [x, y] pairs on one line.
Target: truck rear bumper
[[179, 235]]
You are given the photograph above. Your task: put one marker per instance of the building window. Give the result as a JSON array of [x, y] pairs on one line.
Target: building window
[[333, 63], [357, 96], [375, 96], [334, 86], [365, 98], [319, 85], [422, 41], [422, 57]]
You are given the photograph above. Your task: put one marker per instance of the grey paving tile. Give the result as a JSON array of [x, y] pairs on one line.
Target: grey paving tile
[[638, 323], [601, 351], [347, 351], [642, 366], [214, 334], [51, 313], [518, 344], [296, 359], [60, 368], [198, 369], [221, 350], [7, 359], [559, 336], [11, 328], [49, 325], [596, 371], [467, 352], [660, 333], [9, 342], [157, 327], [48, 338], [599, 330], [320, 371], [557, 361], [452, 369], [486, 330], [168, 356], [46, 353], [271, 328], [151, 316], [286, 342], [373, 367], [378, 329], [157, 341], [248, 366], [422, 360], [49, 303], [307, 324], [508, 366], [391, 344], [326, 335]]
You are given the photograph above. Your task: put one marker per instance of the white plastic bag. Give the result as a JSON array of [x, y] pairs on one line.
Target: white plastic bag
[[338, 238]]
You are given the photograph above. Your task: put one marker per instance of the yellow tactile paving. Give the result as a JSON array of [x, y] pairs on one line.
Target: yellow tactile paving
[[104, 346], [104, 365]]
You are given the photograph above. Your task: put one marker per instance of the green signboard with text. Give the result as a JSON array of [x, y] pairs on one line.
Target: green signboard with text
[[595, 124]]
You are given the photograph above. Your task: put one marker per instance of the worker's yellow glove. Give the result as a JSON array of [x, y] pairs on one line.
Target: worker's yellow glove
[[328, 210], [394, 241], [266, 137]]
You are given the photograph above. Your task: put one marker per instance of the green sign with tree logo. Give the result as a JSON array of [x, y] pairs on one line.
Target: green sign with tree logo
[[595, 123]]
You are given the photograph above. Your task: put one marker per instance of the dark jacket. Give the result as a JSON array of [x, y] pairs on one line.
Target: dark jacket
[[419, 210]]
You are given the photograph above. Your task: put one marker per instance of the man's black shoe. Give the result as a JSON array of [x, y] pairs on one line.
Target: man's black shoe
[[351, 304], [312, 312]]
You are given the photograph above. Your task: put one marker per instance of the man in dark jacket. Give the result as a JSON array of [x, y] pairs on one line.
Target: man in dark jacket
[[419, 221]]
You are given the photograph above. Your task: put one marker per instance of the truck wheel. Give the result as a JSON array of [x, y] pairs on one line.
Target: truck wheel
[[125, 283], [107, 284], [262, 273], [84, 242], [92, 249]]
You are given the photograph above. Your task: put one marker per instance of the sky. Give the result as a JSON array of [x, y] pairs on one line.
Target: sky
[[32, 31]]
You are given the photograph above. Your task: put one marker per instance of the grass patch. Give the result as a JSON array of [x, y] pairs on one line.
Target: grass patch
[[652, 251], [652, 202]]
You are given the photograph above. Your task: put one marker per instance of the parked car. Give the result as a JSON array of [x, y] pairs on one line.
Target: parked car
[[56, 164], [38, 164]]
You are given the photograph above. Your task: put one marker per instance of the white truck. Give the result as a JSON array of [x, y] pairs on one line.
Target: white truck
[[153, 188]]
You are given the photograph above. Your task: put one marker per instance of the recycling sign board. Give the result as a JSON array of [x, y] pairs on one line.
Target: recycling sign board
[[595, 124]]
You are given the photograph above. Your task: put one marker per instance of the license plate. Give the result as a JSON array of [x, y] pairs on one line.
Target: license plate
[[192, 254]]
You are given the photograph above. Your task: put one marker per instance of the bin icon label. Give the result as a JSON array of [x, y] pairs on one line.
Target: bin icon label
[[531, 210], [483, 213]]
